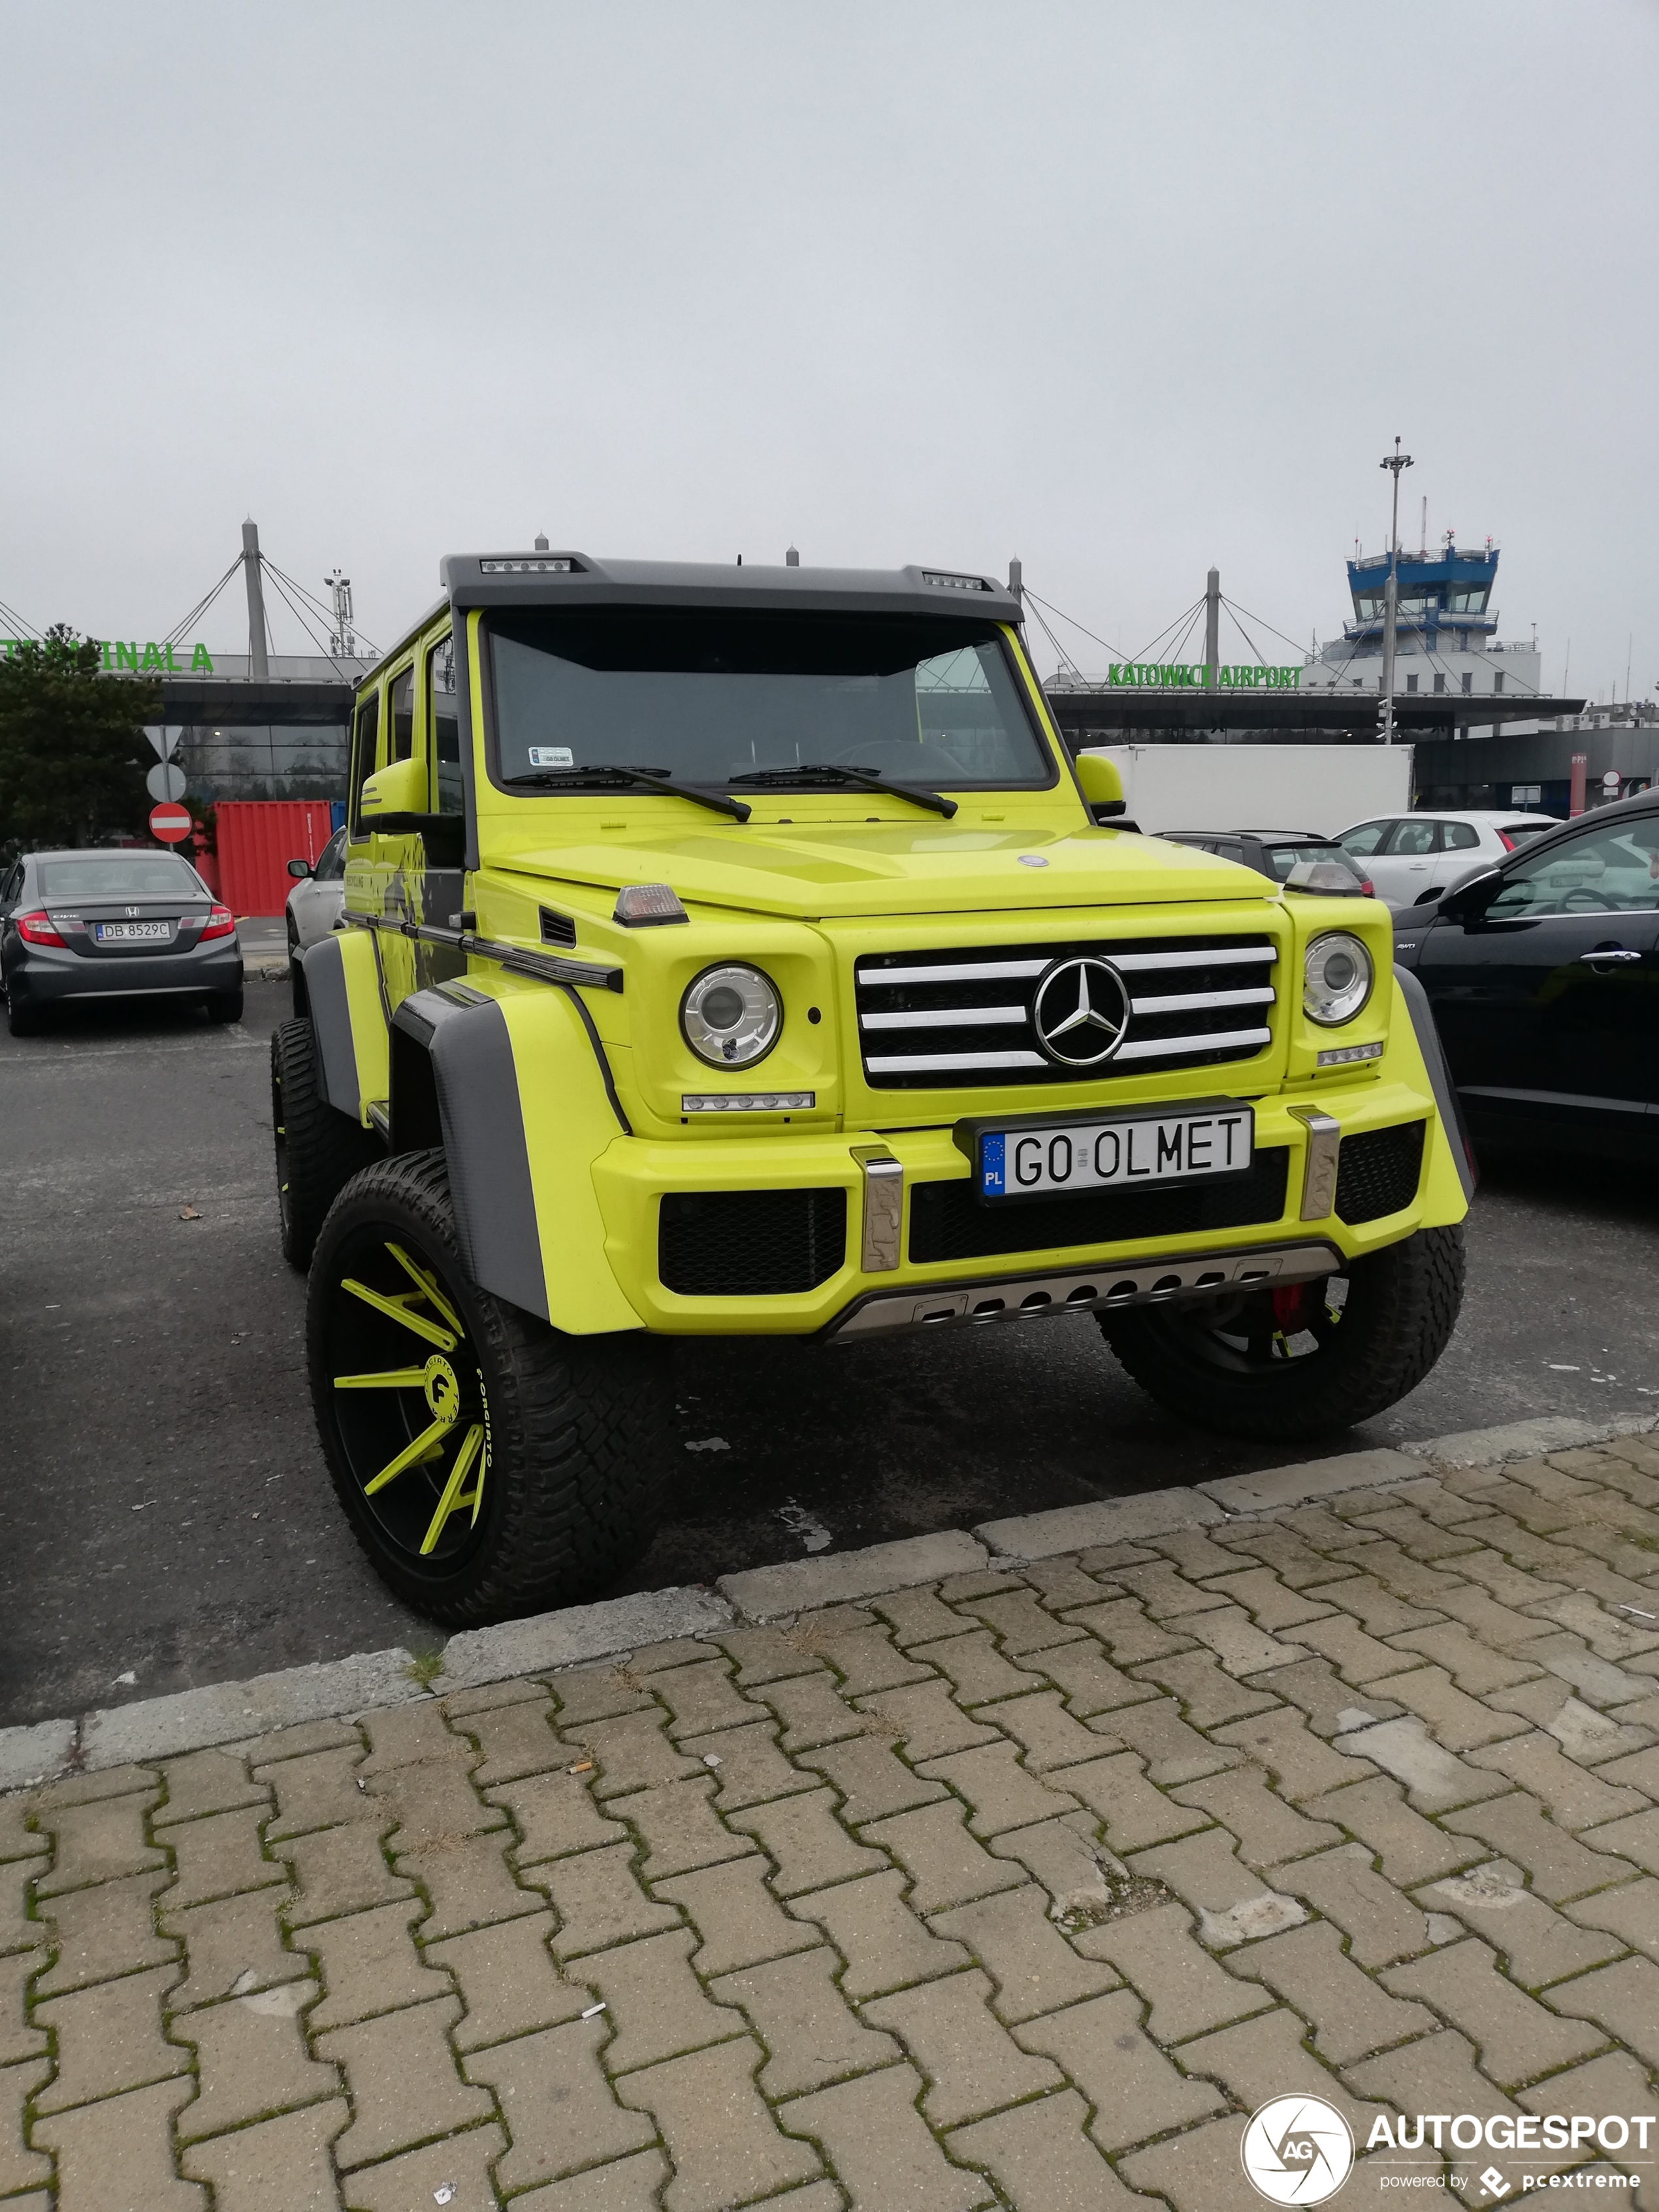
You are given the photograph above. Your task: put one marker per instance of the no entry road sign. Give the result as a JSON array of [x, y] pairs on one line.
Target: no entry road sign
[[171, 824]]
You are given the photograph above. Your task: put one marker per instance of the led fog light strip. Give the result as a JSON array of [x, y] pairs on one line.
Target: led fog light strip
[[1340, 1055], [748, 1102]]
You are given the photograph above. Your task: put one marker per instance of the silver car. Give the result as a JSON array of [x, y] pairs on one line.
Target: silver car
[[1412, 857], [314, 903], [318, 896]]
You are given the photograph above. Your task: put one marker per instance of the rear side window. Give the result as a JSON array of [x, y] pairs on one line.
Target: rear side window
[[1460, 837], [1281, 858], [1414, 837], [1367, 838], [363, 740], [443, 719], [403, 716]]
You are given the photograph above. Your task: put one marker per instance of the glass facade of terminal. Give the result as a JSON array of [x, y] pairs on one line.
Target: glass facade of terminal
[[263, 760]]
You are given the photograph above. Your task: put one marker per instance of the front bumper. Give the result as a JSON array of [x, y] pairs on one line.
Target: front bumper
[[45, 975], [633, 1175]]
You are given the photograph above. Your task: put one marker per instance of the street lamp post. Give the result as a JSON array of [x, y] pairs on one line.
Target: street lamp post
[[1393, 463]]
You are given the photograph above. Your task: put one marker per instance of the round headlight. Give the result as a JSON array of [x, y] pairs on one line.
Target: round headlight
[[731, 1015], [1336, 978]]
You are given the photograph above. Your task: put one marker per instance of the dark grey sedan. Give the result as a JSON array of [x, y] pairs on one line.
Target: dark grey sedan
[[112, 923]]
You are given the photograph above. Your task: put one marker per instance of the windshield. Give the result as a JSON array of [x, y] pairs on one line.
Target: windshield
[[714, 697], [120, 875]]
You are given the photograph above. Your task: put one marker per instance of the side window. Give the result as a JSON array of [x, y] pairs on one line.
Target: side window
[[443, 720], [330, 861], [12, 885], [1604, 871], [1413, 838], [363, 740], [1367, 838], [403, 716], [1460, 837]]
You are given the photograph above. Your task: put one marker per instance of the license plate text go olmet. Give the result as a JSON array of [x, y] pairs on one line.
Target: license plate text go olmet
[[1039, 1155]]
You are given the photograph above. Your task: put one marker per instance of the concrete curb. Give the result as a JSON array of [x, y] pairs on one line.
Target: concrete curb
[[231, 1712], [1106, 1521], [33, 1755], [1273, 1486], [1526, 1439], [550, 1640], [844, 1577]]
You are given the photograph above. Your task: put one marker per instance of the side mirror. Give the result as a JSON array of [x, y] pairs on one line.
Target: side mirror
[[1468, 901], [1101, 785], [299, 869], [400, 787]]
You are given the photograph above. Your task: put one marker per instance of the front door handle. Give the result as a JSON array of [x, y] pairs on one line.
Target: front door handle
[[1595, 959]]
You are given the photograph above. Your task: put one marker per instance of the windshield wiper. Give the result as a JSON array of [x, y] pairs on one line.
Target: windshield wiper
[[608, 775], [810, 772]]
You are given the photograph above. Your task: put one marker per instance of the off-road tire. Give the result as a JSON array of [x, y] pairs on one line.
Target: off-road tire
[[1400, 1310], [225, 1006], [319, 1148], [578, 1429]]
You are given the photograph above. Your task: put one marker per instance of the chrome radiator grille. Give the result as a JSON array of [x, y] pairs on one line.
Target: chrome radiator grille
[[945, 1020]]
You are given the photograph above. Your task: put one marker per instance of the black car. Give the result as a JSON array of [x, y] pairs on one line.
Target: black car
[[113, 923], [1271, 852], [1543, 973]]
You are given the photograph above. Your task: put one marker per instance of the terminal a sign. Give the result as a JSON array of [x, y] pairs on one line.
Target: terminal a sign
[[1177, 676], [119, 657], [124, 658]]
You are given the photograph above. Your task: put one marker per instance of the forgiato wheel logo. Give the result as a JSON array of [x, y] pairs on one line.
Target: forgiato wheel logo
[[1296, 2150]]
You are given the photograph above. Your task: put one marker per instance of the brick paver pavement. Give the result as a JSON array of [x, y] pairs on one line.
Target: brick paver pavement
[[1022, 1889]]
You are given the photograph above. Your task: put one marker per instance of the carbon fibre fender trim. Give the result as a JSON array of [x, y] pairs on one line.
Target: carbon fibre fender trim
[[324, 968], [482, 1121]]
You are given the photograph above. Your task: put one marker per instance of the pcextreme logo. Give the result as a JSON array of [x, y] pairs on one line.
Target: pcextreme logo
[[1300, 2150]]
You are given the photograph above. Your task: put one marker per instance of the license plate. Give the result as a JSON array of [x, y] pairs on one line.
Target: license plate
[[126, 932], [1043, 1156]]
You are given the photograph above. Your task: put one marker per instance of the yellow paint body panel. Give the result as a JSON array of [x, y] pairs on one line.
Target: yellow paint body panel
[[812, 881]]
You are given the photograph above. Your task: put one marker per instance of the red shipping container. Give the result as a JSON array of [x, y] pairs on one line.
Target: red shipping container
[[257, 839]]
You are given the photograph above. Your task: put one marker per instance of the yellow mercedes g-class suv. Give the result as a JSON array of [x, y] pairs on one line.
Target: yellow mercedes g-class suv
[[742, 952]]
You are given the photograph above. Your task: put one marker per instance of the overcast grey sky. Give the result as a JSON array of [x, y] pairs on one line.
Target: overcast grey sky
[[1125, 290]]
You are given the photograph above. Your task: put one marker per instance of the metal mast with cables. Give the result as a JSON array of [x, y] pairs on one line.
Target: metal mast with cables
[[1393, 463], [1211, 627], [258, 657], [342, 639]]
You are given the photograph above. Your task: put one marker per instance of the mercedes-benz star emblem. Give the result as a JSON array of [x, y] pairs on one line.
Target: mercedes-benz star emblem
[[1080, 1012]]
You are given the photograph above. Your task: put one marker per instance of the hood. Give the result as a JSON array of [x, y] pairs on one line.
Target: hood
[[823, 869]]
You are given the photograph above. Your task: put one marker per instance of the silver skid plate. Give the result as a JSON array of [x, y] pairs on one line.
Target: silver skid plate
[[1081, 1289]]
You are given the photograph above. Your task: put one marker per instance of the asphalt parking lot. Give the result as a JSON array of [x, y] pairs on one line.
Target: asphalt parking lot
[[166, 1519]]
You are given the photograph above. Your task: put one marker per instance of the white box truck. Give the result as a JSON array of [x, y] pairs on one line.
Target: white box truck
[[1323, 788]]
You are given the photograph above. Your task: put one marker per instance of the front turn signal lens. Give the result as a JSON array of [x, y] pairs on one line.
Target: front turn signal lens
[[1336, 978], [731, 1015]]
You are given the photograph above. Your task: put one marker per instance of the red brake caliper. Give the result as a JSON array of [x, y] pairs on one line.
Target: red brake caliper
[[1289, 1308]]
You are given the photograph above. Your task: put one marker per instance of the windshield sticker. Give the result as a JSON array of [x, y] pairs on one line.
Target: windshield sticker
[[552, 756]]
